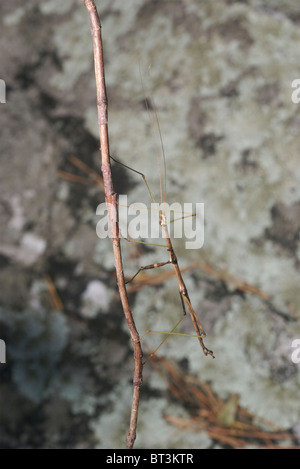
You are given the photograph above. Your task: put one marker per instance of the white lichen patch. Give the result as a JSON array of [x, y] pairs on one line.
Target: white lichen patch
[[56, 6], [156, 432], [28, 252], [110, 428], [244, 343], [153, 430], [102, 254], [96, 297], [76, 249], [18, 219], [14, 18], [32, 246], [72, 36]]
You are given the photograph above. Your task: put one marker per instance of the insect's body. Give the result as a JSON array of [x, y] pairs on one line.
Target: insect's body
[[184, 296], [185, 300]]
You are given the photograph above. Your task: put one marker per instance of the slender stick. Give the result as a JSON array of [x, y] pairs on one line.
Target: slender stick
[[182, 288], [111, 202]]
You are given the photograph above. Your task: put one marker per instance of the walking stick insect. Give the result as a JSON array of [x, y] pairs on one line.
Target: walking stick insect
[[183, 292], [111, 202]]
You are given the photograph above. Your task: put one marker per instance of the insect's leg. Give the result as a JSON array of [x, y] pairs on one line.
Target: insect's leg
[[182, 303], [148, 267], [167, 336], [137, 172], [197, 325]]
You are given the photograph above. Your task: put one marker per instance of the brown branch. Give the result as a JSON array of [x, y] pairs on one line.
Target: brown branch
[[74, 177], [111, 202], [86, 169], [54, 296]]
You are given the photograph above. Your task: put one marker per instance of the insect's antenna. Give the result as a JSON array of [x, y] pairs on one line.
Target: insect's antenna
[[158, 148], [164, 198]]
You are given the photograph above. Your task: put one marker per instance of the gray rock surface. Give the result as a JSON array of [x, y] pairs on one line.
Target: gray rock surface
[[221, 74]]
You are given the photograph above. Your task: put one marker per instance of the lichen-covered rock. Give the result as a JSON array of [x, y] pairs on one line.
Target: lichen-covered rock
[[221, 77]]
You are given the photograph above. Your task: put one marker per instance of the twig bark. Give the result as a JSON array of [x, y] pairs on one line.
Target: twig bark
[[111, 202]]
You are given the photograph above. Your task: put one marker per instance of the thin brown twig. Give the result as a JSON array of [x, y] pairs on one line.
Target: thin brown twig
[[111, 202], [54, 297], [86, 169], [93, 178], [231, 280], [74, 177]]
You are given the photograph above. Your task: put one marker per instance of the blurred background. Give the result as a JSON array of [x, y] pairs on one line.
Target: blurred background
[[221, 74]]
